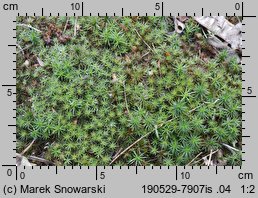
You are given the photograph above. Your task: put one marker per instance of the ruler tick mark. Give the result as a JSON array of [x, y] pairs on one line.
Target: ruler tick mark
[[162, 9], [176, 173], [16, 173], [96, 172], [82, 9]]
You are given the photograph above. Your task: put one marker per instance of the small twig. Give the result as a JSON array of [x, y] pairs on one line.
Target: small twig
[[170, 120], [42, 160], [126, 104], [209, 162], [145, 54], [129, 147], [194, 159], [206, 156], [66, 23], [28, 26], [212, 102], [75, 26], [159, 67], [22, 49], [230, 147], [143, 40], [117, 153], [28, 147], [195, 108], [202, 105]]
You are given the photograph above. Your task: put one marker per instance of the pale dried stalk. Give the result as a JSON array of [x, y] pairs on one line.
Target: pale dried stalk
[[39, 159], [129, 147], [143, 40], [28, 26], [230, 147], [75, 26], [206, 156], [28, 147], [194, 159], [209, 162], [66, 23], [126, 104]]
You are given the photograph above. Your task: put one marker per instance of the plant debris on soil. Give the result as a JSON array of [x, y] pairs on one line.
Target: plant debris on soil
[[126, 91]]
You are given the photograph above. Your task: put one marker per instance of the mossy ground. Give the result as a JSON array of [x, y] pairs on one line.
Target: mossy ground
[[118, 79]]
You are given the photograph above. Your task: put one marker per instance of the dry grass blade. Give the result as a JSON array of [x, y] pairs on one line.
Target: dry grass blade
[[206, 156], [126, 103], [66, 23], [39, 159], [75, 26], [28, 147], [129, 147], [143, 40], [230, 147], [209, 162], [194, 159], [28, 26]]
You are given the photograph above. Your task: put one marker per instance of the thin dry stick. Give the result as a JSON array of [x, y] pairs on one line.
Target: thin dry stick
[[66, 23], [145, 54], [119, 151], [206, 156], [75, 26], [129, 147], [29, 26], [143, 40], [126, 104], [28, 147], [21, 50], [161, 124], [230, 147], [193, 159], [209, 162], [202, 105], [39, 159]]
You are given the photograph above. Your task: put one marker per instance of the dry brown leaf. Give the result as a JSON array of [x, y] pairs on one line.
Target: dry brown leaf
[[222, 28]]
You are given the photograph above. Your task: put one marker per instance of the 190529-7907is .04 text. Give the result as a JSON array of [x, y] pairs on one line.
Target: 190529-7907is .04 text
[[185, 189]]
